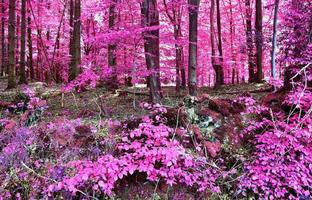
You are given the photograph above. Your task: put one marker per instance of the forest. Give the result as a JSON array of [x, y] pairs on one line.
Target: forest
[[155, 99]]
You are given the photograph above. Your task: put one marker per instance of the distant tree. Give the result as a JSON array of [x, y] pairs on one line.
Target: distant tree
[[174, 13]]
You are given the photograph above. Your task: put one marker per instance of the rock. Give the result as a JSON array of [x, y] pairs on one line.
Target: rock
[[221, 106], [274, 100], [215, 116], [10, 125], [213, 148], [197, 133], [4, 104], [230, 130]]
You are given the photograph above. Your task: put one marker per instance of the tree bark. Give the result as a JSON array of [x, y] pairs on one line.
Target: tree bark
[[3, 44], [75, 43], [30, 49], [192, 65], [151, 47], [112, 58], [216, 65], [220, 68], [249, 37], [178, 52], [259, 40], [274, 40], [23, 45], [12, 70]]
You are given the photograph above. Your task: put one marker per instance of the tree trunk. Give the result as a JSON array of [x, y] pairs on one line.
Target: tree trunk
[[151, 47], [259, 40], [30, 49], [75, 43], [3, 45], [23, 44], [221, 73], [274, 40], [216, 65], [112, 59], [178, 51], [12, 70], [192, 65], [249, 37]]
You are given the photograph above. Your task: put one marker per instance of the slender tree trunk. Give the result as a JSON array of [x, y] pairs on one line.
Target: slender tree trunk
[[17, 40], [151, 47], [75, 43], [274, 41], [12, 70], [220, 68], [178, 60], [30, 49], [23, 44], [183, 75], [112, 59], [216, 65], [259, 40], [249, 37], [3, 44], [192, 65]]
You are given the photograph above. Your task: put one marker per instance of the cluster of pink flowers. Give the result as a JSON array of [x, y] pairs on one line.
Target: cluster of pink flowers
[[281, 164], [148, 149]]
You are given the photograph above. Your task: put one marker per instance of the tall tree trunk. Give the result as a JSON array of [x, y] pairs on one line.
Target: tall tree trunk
[[75, 43], [220, 68], [192, 65], [17, 40], [112, 59], [30, 49], [178, 52], [12, 70], [3, 45], [151, 47], [23, 44], [274, 40], [259, 40], [249, 37], [216, 65]]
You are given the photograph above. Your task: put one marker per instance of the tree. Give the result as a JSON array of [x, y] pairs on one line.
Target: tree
[[76, 46], [192, 65], [175, 17], [249, 37], [151, 47], [12, 71], [274, 40], [215, 64], [259, 40], [30, 48], [23, 44], [219, 71], [112, 58], [3, 44]]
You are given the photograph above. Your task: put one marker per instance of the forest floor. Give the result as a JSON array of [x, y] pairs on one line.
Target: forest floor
[[99, 104], [123, 103]]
